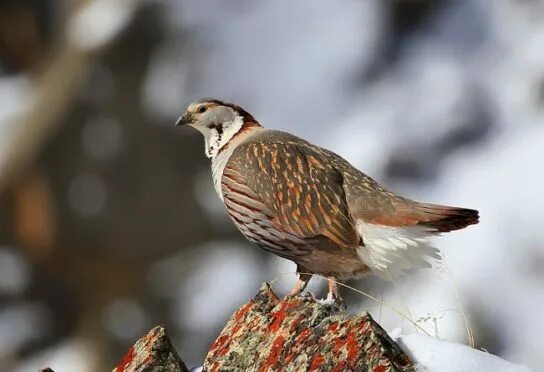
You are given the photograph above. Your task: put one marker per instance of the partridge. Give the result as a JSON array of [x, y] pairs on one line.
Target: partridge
[[309, 205]]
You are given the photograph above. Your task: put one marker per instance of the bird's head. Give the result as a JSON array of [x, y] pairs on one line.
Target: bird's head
[[218, 121]]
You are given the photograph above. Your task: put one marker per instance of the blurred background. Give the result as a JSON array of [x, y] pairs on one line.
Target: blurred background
[[109, 224]]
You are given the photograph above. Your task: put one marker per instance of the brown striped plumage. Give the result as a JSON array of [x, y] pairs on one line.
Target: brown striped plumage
[[311, 206]]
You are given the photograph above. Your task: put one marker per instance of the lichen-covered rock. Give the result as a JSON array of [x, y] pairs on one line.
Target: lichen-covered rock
[[300, 334], [152, 353]]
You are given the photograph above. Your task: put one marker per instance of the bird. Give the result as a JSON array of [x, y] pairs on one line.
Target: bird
[[309, 205]]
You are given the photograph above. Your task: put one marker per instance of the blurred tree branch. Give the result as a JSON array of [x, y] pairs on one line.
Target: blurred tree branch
[[88, 32]]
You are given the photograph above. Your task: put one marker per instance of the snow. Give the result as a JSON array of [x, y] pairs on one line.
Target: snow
[[126, 319], [99, 22], [14, 271], [234, 271], [202, 305], [306, 49], [15, 94], [21, 324], [73, 354], [433, 355]]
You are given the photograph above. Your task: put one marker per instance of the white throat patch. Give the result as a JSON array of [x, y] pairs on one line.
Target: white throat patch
[[219, 138]]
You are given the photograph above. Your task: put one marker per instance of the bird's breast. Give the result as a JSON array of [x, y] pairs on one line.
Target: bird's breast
[[222, 158]]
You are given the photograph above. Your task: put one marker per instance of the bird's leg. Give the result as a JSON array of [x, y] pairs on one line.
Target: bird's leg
[[334, 293], [302, 282]]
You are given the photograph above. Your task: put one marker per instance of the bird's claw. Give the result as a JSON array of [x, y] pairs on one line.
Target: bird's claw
[[302, 295], [335, 301]]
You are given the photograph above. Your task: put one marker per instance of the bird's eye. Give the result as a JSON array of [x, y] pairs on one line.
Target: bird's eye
[[202, 109]]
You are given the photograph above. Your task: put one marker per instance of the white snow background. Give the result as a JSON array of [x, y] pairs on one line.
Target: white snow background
[[299, 67]]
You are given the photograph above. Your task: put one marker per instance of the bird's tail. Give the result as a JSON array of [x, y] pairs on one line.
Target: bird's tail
[[442, 218]]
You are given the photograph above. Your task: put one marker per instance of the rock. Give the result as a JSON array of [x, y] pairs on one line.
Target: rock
[[300, 334], [152, 353], [292, 334]]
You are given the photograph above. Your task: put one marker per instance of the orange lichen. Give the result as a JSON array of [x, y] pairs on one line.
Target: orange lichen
[[276, 350], [277, 318], [127, 359]]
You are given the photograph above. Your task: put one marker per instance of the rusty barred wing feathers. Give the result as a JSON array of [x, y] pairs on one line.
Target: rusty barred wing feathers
[[298, 190]]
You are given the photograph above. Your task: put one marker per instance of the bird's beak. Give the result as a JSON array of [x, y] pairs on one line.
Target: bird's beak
[[185, 119]]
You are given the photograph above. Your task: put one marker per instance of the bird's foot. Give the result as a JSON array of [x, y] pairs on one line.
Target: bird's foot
[[301, 294], [333, 301], [307, 296], [333, 296], [301, 284]]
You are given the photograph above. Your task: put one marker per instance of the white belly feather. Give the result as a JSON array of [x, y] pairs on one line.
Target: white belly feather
[[389, 251]]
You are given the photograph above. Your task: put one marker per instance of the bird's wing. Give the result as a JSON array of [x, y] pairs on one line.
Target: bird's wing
[[301, 190], [373, 204]]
